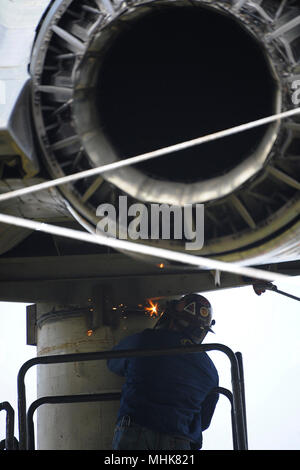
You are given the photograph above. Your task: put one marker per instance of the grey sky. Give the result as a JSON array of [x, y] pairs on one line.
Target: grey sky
[[265, 329]]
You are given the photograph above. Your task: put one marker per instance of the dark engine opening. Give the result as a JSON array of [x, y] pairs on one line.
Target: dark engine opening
[[176, 74]]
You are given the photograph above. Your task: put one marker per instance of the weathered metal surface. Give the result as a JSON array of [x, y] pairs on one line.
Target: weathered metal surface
[[69, 279], [244, 206], [52, 62]]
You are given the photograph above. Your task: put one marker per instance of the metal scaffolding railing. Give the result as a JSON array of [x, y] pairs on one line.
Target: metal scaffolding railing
[[236, 397], [9, 443], [99, 397]]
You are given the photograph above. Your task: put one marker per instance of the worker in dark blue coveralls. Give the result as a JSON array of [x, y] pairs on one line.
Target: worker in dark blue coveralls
[[167, 401]]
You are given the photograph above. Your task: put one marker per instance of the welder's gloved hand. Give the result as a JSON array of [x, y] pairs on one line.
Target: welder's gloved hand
[[261, 287]]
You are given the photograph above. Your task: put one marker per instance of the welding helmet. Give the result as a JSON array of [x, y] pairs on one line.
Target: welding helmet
[[191, 315]]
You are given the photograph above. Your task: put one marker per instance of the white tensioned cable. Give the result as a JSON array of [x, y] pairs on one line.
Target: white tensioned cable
[[141, 248], [160, 253], [148, 156]]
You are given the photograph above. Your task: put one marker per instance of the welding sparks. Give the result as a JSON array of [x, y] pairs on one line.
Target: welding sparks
[[152, 309]]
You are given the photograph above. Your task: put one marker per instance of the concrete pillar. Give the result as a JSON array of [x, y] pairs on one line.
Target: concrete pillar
[[77, 426]]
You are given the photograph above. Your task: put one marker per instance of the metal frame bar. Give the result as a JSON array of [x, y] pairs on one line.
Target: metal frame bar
[[238, 399], [98, 397], [10, 425], [83, 398], [229, 395], [242, 383]]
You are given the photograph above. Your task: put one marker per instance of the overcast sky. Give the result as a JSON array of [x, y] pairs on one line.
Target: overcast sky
[[264, 329]]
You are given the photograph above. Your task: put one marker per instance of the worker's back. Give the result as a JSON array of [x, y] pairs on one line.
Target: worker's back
[[169, 394]]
